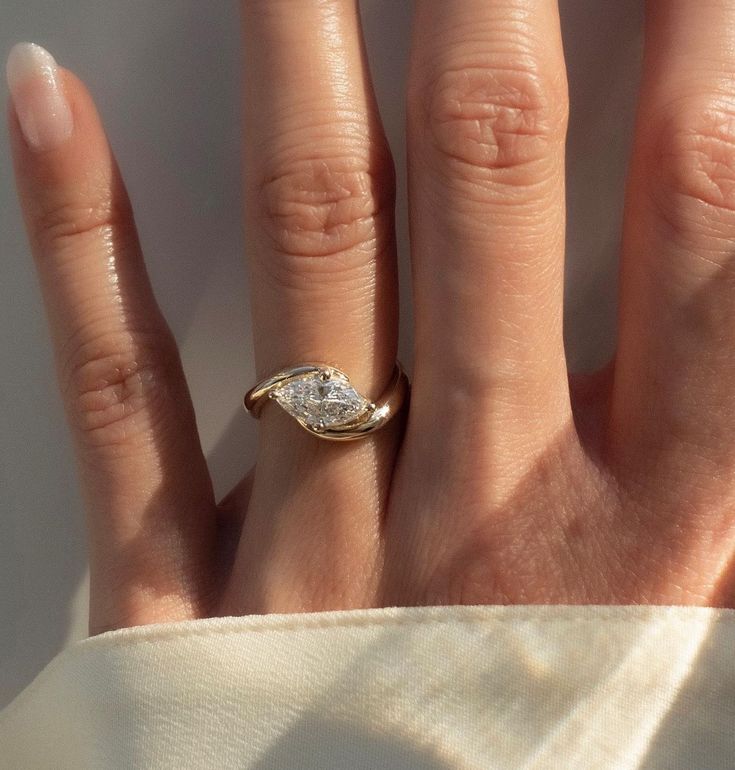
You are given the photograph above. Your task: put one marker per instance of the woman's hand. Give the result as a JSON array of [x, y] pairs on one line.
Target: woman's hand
[[509, 481]]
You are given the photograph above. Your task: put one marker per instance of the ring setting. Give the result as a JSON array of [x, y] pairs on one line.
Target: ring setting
[[324, 402]]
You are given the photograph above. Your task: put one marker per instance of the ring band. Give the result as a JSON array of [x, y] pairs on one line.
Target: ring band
[[322, 400]]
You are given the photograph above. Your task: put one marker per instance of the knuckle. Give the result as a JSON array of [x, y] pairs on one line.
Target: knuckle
[[497, 124], [328, 211], [117, 385], [693, 155], [65, 221]]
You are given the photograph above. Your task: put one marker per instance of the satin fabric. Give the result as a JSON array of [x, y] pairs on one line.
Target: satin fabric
[[402, 688]]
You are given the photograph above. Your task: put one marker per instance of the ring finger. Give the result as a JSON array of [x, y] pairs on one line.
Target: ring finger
[[319, 193]]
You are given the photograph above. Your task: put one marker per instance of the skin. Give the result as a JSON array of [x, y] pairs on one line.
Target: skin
[[530, 484]]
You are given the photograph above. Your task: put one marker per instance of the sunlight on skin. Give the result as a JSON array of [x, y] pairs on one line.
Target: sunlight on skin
[[504, 481]]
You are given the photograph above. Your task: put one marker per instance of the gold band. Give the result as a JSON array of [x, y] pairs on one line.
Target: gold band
[[322, 400]]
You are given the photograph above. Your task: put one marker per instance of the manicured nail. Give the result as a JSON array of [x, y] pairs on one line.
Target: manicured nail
[[38, 98]]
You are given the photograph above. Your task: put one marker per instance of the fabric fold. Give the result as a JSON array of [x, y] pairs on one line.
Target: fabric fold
[[402, 688]]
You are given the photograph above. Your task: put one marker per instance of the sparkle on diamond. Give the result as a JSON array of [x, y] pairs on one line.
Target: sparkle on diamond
[[321, 403]]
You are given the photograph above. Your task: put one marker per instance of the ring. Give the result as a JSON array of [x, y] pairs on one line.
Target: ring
[[322, 400]]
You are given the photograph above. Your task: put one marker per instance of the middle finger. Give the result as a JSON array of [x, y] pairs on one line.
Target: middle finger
[[487, 125]]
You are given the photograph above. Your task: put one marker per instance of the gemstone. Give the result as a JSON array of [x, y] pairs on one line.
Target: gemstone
[[321, 403]]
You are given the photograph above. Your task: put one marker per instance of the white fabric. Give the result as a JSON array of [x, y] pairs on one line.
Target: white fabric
[[426, 688]]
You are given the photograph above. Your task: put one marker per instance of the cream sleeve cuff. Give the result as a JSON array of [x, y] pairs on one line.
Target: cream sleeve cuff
[[427, 688]]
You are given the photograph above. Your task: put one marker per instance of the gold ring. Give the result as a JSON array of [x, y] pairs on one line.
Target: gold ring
[[322, 400]]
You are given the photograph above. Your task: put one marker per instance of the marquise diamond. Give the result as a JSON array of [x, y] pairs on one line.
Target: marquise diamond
[[321, 403]]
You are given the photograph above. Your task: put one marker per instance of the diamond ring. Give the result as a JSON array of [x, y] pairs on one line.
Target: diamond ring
[[323, 401]]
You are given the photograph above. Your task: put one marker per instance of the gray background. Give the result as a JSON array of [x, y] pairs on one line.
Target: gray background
[[165, 78]]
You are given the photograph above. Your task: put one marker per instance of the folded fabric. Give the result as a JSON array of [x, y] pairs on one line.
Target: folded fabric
[[427, 688]]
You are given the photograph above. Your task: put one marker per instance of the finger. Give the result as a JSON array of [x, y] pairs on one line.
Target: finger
[[487, 112], [675, 370], [319, 193], [149, 497]]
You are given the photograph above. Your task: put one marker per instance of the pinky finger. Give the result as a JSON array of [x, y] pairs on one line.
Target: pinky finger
[[149, 498]]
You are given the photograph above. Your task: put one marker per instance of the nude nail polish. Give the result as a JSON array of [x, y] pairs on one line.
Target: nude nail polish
[[38, 98]]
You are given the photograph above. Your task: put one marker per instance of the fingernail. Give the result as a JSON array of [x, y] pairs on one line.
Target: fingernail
[[43, 112]]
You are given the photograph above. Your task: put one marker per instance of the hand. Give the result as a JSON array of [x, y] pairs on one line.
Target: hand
[[509, 481]]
